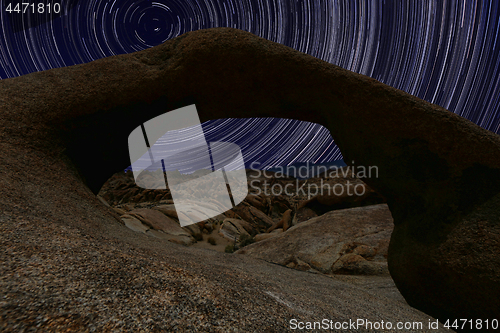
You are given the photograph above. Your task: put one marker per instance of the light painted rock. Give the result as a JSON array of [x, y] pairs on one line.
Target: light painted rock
[[128, 207], [158, 221], [168, 210], [278, 205], [232, 229], [261, 237], [323, 240], [257, 201], [257, 219], [353, 263], [302, 266], [134, 224], [193, 229], [285, 222], [177, 239], [120, 211]]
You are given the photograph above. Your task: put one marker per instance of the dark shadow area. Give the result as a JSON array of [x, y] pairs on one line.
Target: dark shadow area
[[98, 143]]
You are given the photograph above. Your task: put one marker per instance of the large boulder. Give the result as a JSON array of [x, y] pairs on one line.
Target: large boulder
[[233, 229], [284, 222], [155, 220], [327, 243], [439, 172], [257, 201], [168, 210], [259, 221]]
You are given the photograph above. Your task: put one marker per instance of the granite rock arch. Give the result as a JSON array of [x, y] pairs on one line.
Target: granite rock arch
[[439, 172]]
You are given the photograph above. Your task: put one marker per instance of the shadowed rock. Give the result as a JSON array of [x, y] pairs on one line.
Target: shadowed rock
[[439, 172], [326, 202], [326, 241]]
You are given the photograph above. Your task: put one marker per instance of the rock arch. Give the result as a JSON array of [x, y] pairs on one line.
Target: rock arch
[[439, 172]]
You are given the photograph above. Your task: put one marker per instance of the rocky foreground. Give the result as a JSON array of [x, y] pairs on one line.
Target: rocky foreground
[[69, 262], [291, 229], [78, 268]]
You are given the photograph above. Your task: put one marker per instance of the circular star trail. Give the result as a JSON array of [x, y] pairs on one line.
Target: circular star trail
[[446, 52]]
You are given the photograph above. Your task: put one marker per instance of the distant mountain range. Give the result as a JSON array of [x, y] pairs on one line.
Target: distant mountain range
[[305, 170]]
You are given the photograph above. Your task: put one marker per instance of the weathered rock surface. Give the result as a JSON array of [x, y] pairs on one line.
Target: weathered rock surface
[[285, 222], [257, 219], [153, 220], [232, 229], [156, 220], [260, 237], [303, 214], [439, 172], [134, 223], [193, 229], [168, 210], [327, 243], [257, 201], [352, 196], [352, 263]]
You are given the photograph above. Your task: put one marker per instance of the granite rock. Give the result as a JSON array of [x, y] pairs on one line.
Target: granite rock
[[439, 172]]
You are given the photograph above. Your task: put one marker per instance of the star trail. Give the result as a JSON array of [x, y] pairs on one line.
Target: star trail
[[445, 52]]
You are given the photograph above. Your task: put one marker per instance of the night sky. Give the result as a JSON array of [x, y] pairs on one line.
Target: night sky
[[446, 52]]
